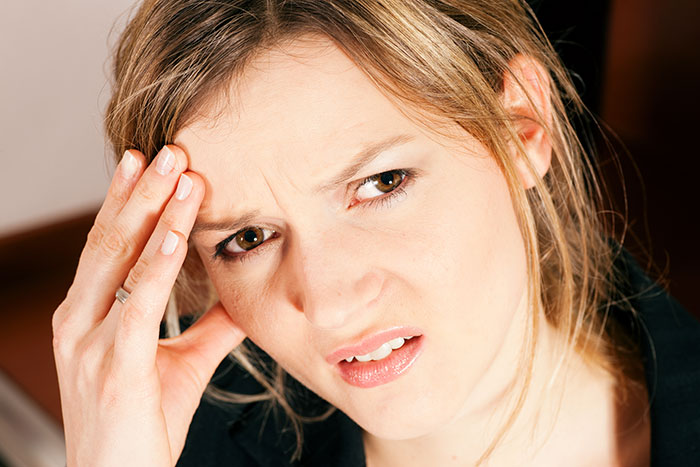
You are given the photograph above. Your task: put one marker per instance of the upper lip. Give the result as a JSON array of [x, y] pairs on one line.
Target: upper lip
[[371, 343]]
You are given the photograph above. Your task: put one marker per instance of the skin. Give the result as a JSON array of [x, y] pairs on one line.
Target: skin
[[446, 257], [127, 398]]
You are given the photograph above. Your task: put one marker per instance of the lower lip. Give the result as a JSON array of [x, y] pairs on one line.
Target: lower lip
[[375, 373]]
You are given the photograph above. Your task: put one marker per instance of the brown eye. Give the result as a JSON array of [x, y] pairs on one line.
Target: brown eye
[[387, 181], [248, 238], [381, 183]]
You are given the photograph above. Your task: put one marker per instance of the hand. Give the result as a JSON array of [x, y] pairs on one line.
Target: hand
[[127, 397]]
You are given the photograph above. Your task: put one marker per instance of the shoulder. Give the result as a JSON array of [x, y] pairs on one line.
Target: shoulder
[[255, 434], [209, 439], [670, 345]]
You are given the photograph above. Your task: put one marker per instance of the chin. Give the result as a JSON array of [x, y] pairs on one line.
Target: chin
[[407, 408], [403, 420]]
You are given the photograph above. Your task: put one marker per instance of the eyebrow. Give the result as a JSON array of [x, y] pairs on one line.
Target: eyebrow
[[226, 224], [363, 158]]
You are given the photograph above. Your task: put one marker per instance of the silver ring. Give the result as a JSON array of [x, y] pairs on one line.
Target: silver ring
[[121, 295]]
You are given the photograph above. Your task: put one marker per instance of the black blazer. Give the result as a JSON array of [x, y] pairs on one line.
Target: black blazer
[[243, 435]]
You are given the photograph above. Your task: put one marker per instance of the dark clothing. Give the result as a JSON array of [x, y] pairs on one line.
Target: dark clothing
[[670, 343]]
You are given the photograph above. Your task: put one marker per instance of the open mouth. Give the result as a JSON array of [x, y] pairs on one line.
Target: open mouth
[[387, 362]]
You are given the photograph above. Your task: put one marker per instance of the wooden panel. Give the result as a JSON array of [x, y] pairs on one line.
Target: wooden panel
[[36, 270]]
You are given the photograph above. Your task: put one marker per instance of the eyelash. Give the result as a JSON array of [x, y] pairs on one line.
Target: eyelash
[[376, 202], [386, 200]]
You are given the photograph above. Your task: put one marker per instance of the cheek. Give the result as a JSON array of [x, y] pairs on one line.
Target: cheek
[[247, 302], [477, 270], [490, 254], [468, 243], [467, 276], [281, 331]]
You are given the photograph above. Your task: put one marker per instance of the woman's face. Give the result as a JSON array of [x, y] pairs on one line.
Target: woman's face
[[338, 263]]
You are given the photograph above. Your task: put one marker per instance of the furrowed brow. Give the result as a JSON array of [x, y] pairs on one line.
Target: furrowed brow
[[227, 225], [364, 157]]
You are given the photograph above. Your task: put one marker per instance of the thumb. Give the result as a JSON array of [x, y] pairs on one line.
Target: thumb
[[205, 344]]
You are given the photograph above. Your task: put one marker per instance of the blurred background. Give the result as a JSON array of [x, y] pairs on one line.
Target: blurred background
[[636, 63]]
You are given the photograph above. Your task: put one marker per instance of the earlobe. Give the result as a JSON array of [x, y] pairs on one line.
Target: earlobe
[[526, 98]]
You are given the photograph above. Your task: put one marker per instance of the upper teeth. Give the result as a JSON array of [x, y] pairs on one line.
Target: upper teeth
[[383, 350]]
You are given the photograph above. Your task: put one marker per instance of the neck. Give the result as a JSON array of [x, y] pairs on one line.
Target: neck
[[569, 408]]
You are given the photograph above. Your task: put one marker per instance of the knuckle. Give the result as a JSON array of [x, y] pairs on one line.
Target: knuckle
[[94, 237], [131, 317], [117, 244], [92, 355], [147, 192], [137, 272], [58, 316], [119, 194], [57, 320], [61, 341], [170, 218]]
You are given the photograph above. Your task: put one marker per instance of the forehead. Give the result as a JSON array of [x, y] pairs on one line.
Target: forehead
[[304, 105]]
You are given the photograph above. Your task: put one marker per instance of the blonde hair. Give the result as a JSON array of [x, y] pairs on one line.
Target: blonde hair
[[448, 57]]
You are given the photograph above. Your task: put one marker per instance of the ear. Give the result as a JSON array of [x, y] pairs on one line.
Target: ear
[[526, 98]]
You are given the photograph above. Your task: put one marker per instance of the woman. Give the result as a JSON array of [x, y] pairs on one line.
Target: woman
[[388, 201]]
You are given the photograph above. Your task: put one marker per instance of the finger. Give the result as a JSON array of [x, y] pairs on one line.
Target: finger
[[126, 175], [178, 216], [124, 238], [205, 344], [138, 319]]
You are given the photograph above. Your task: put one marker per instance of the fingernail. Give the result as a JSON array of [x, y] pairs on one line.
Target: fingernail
[[169, 244], [129, 165], [184, 187], [165, 162]]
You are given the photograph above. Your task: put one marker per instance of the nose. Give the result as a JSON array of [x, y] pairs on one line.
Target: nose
[[334, 279]]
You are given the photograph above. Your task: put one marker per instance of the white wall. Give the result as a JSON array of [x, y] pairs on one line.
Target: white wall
[[53, 89]]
